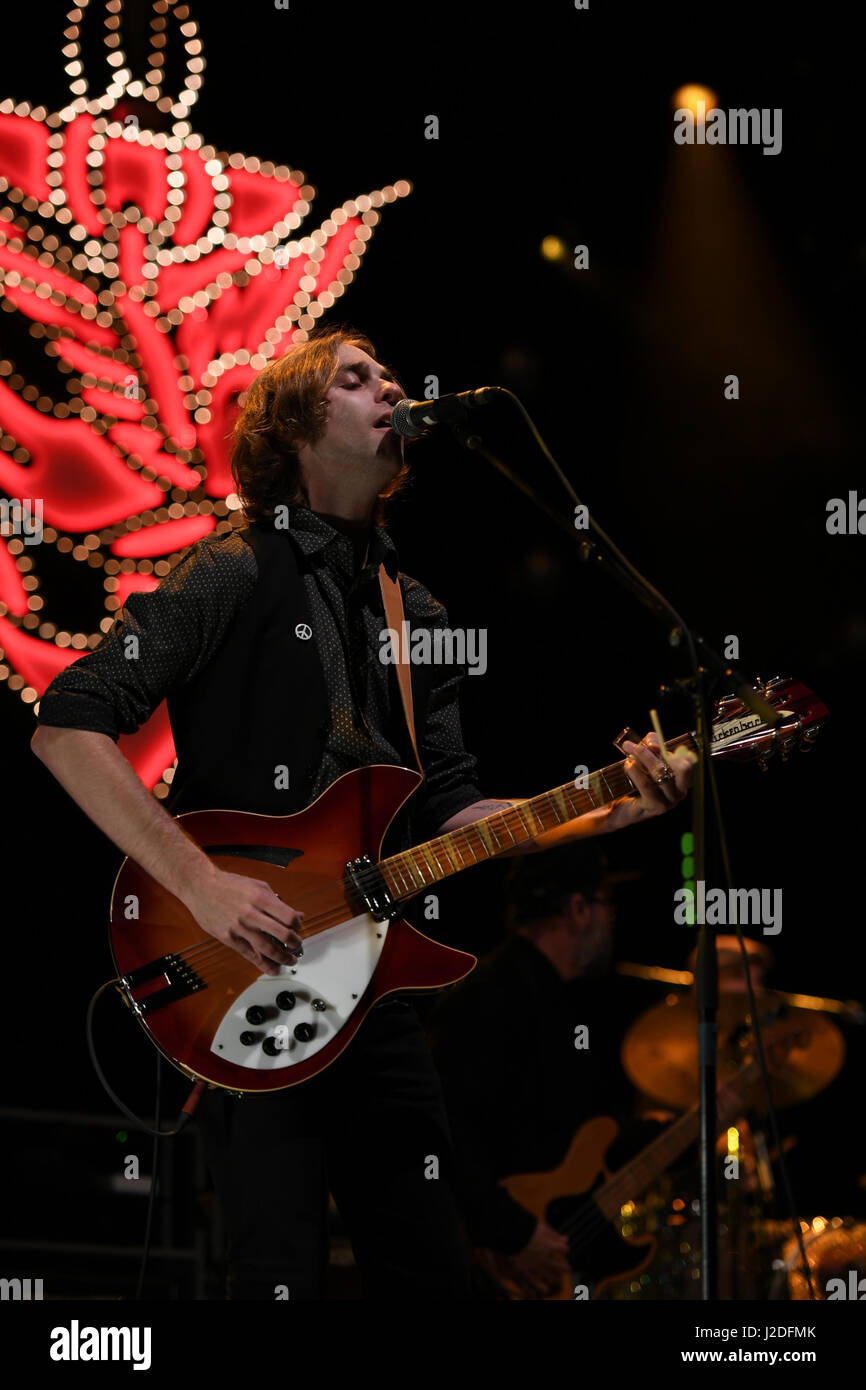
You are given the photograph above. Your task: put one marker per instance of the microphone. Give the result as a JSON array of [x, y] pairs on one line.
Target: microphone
[[411, 418]]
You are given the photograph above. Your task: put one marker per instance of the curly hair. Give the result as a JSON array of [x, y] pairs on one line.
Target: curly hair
[[286, 402]]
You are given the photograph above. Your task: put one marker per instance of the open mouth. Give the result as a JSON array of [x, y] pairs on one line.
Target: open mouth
[[383, 425]]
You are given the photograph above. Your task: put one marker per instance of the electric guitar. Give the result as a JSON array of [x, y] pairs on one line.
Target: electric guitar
[[217, 1019], [598, 1254]]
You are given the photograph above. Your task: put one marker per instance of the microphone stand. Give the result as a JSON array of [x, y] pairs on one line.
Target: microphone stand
[[707, 666]]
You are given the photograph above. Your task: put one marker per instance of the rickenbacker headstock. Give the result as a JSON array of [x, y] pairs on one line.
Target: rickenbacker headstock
[[743, 736]]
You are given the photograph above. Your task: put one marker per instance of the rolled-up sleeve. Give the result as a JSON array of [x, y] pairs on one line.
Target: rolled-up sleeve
[[160, 640]]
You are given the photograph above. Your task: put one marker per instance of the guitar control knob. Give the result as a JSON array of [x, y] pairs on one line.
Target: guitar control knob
[[285, 999], [255, 1014], [272, 1046], [305, 1032], [248, 1038], [319, 1005]]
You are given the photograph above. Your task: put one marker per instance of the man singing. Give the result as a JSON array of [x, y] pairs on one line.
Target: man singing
[[265, 644]]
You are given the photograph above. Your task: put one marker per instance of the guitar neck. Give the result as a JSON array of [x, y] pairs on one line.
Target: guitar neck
[[407, 873], [656, 1158]]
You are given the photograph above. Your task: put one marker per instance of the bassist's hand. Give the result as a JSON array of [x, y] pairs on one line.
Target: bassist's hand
[[246, 914], [540, 1266]]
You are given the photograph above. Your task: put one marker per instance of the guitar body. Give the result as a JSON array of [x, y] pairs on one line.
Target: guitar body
[[193, 995], [598, 1255]]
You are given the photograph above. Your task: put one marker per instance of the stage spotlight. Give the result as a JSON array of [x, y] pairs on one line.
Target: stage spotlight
[[686, 99], [553, 248]]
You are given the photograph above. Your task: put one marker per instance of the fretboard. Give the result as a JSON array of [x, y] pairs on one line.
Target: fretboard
[[414, 869], [629, 1182]]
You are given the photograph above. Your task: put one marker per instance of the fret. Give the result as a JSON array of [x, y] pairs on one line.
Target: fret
[[422, 850], [519, 809], [407, 859], [485, 838], [637, 1175], [431, 846], [486, 835], [464, 840], [573, 800], [447, 848], [397, 868], [475, 830], [505, 826], [464, 844]]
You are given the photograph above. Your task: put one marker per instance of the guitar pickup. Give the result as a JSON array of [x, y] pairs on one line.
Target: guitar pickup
[[369, 884]]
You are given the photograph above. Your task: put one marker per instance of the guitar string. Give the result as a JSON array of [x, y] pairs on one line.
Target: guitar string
[[592, 1219], [208, 952], [212, 956], [507, 818], [369, 878]]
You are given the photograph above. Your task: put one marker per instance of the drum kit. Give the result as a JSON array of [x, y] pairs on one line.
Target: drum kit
[[760, 1255]]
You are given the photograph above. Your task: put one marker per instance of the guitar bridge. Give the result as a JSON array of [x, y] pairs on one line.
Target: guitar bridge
[[368, 882]]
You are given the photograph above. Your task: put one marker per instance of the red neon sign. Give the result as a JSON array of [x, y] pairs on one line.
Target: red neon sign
[[160, 276]]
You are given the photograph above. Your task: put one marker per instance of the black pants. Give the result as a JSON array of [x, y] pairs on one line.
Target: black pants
[[372, 1129]]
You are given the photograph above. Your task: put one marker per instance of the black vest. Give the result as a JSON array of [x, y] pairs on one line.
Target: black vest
[[261, 703]]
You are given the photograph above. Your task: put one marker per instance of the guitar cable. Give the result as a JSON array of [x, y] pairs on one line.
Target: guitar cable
[[154, 1183], [190, 1105], [183, 1119]]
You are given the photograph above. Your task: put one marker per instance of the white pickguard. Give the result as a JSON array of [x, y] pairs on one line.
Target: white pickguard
[[335, 969]]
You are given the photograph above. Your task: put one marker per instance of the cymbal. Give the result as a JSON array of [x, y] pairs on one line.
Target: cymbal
[[660, 1049]]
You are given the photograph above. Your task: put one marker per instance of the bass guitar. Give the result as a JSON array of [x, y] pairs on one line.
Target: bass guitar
[[582, 1200]]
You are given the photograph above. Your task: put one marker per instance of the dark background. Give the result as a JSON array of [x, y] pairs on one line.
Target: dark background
[[702, 263]]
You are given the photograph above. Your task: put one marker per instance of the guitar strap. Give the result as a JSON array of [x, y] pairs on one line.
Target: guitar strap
[[393, 601]]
